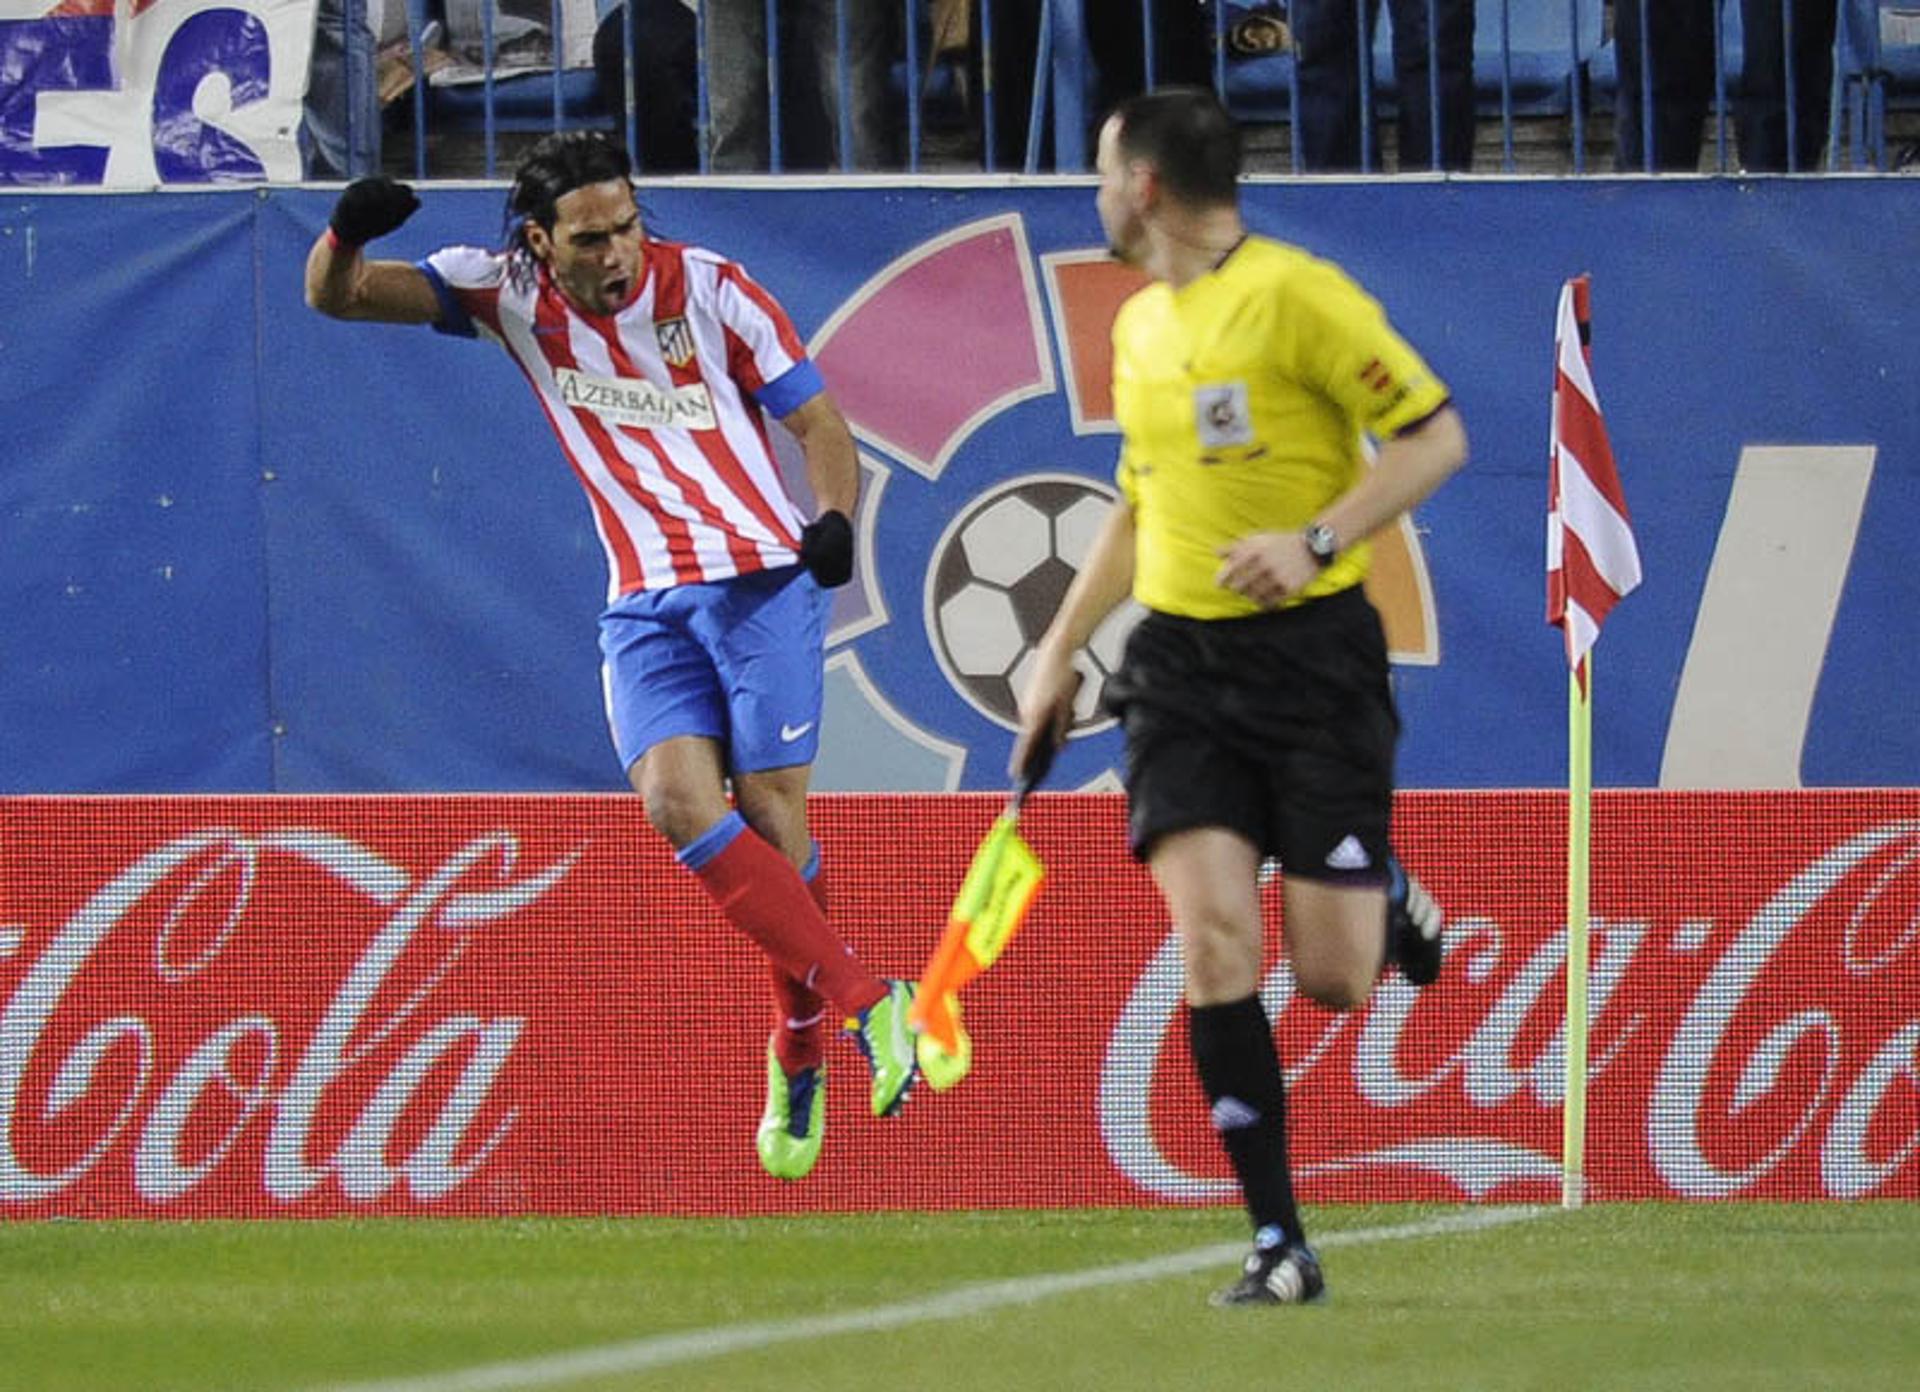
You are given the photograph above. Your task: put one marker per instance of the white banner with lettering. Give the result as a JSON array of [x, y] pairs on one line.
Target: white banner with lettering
[[140, 93]]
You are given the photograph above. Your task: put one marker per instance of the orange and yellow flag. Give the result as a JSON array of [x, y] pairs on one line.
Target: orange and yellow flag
[[999, 888]]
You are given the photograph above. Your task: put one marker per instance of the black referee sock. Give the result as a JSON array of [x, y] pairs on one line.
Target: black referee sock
[[1233, 1050]]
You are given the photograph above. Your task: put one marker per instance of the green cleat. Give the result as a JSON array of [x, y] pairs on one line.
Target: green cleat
[[885, 1037], [795, 1119]]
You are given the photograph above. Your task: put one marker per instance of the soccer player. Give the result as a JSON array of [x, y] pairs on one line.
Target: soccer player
[[1254, 694], [655, 363]]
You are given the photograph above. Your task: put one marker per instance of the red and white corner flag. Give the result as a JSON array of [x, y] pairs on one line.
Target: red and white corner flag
[[1592, 561]]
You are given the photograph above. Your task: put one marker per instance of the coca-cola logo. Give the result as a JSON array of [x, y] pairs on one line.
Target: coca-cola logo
[[1863, 893], [390, 1005], [180, 1095], [1803, 1034]]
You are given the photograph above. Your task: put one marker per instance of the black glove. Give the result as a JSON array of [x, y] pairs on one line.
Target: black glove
[[370, 208], [826, 548]]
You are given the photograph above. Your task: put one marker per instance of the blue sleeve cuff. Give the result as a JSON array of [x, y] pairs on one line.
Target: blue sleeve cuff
[[792, 389], [454, 319]]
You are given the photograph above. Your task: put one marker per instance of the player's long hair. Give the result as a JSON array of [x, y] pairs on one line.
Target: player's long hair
[[554, 168]]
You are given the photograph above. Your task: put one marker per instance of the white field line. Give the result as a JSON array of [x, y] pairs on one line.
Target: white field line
[[665, 1350]]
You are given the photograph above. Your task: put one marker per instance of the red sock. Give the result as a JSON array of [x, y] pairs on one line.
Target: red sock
[[758, 889], [799, 1015]]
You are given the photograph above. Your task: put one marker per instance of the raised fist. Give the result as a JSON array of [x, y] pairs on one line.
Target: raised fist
[[370, 208]]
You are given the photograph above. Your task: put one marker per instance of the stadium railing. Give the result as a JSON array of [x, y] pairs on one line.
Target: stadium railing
[[1548, 65], [1528, 60], [477, 99], [1876, 61], [1877, 64], [1533, 59]]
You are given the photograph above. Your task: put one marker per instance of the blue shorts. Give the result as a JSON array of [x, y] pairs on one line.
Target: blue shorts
[[737, 661]]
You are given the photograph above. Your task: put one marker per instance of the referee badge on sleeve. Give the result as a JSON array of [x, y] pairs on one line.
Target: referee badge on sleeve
[[1220, 412]]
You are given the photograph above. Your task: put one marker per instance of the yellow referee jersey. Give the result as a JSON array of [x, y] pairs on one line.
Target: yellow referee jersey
[[1243, 397]]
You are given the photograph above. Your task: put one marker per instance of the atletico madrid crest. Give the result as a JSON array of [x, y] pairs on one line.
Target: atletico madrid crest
[[676, 341]]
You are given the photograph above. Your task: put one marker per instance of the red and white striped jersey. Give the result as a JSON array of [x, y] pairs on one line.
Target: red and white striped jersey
[[658, 406]]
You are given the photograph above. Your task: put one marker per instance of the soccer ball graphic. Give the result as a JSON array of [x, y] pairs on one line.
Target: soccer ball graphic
[[998, 575]]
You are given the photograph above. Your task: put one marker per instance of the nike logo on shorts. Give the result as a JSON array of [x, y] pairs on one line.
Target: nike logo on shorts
[[790, 733]]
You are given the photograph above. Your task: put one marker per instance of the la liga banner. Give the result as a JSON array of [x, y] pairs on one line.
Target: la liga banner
[[285, 1006]]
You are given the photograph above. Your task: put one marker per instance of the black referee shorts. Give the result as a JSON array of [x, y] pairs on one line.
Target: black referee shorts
[[1280, 726]]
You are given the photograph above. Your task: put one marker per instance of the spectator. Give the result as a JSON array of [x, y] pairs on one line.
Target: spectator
[[1182, 34], [1182, 49], [810, 85], [664, 81], [520, 35], [1328, 39], [340, 135], [1680, 54], [1760, 111], [1008, 87]]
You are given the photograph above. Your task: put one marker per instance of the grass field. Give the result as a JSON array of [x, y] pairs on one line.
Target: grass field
[[1734, 1296]]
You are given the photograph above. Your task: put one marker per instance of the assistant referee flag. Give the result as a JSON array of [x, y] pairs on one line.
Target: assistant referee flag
[[1592, 560]]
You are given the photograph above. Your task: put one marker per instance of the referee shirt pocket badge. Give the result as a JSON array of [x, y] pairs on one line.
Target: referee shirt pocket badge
[[1221, 414]]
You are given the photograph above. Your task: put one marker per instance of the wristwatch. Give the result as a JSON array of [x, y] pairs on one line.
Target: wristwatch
[[1322, 544]]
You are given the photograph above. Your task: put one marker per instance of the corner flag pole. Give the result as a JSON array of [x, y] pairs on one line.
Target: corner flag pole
[[1573, 1140], [1592, 563]]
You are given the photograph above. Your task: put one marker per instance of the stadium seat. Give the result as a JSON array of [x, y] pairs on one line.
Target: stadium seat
[[522, 101], [1876, 64], [1257, 89]]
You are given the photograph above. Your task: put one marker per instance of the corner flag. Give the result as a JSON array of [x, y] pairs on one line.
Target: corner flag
[[1592, 560]]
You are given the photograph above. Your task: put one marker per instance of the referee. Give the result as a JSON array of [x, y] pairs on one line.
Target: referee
[[1255, 693]]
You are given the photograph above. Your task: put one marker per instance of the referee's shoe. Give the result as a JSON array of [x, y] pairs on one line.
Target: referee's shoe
[[1279, 1273], [1414, 921]]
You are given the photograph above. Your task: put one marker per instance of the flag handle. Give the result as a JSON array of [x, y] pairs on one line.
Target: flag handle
[[931, 1012], [1034, 769], [1573, 1145]]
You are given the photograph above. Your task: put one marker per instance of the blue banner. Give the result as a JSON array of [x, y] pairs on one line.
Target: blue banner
[[249, 548]]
